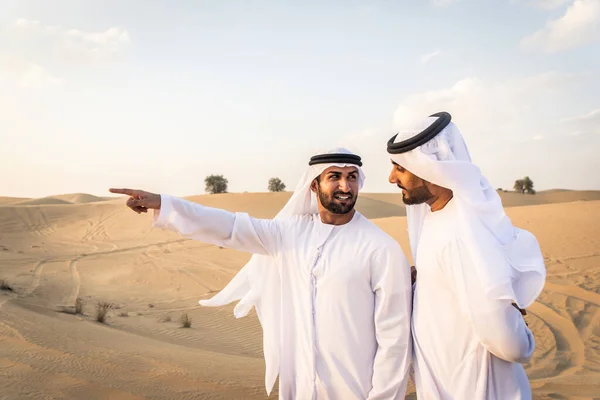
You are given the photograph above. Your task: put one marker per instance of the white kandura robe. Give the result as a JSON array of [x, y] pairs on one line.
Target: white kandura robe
[[467, 344], [345, 298]]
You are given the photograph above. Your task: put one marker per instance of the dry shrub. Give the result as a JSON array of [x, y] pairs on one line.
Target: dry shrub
[[186, 321], [5, 286], [102, 309], [79, 305]]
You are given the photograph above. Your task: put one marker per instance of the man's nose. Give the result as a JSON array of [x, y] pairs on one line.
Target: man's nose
[[392, 178], [344, 186]]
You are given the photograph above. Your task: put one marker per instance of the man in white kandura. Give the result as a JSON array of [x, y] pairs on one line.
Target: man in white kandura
[[332, 291], [476, 272]]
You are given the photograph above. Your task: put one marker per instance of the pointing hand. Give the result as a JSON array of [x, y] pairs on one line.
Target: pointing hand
[[139, 200]]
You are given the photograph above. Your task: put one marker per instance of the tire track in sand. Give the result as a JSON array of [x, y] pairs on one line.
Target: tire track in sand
[[575, 292], [37, 276], [566, 337], [98, 228], [26, 225], [35, 279], [48, 228], [586, 329], [76, 280], [76, 277]]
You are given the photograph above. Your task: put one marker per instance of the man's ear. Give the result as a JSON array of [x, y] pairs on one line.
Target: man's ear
[[313, 185]]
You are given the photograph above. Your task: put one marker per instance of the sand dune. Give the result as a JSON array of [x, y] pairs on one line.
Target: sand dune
[[44, 201], [80, 198], [12, 200], [51, 254], [74, 198], [373, 205]]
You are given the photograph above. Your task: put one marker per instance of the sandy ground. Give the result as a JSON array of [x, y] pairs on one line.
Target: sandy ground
[[60, 248]]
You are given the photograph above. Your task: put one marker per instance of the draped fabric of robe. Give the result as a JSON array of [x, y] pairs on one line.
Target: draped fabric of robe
[[467, 345], [334, 302], [472, 263]]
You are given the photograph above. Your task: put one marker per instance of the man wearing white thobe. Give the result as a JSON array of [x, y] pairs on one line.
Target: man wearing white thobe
[[332, 290], [469, 338]]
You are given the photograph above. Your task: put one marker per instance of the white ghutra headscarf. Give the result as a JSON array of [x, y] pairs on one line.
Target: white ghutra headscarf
[[258, 283]]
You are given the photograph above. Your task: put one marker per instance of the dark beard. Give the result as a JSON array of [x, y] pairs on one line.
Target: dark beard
[[418, 195], [331, 204]]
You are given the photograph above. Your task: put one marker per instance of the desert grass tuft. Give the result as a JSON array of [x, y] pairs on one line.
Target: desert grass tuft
[[79, 305], [5, 286], [186, 321], [102, 309]]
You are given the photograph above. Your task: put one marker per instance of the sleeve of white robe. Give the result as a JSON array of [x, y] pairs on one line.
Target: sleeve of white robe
[[499, 326], [219, 227], [390, 277]]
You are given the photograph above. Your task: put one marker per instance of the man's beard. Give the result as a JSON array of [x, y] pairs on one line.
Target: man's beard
[[333, 205], [418, 195]]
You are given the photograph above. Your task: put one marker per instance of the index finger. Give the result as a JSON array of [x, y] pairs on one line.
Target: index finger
[[129, 192]]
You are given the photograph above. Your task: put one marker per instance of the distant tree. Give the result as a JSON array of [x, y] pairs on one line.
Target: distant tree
[[528, 185], [524, 185], [215, 184], [518, 186], [276, 185]]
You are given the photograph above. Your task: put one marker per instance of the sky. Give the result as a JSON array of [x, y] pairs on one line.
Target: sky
[[156, 95]]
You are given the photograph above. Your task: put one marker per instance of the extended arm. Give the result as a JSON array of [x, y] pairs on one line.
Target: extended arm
[[391, 282], [219, 227], [499, 326]]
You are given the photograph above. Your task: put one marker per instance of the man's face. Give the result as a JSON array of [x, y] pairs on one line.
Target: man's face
[[414, 189], [337, 188]]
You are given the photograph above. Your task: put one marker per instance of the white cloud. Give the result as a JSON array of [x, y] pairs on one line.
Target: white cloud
[[23, 23], [441, 3], [578, 26], [74, 44], [544, 4], [538, 137], [588, 123], [592, 116], [476, 101], [425, 58], [25, 74]]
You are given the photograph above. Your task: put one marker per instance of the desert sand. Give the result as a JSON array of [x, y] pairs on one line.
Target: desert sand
[[57, 249]]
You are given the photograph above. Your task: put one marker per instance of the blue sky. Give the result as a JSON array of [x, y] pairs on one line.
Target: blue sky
[[157, 95]]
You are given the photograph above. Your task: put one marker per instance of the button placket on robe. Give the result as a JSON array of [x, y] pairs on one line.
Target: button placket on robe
[[313, 289], [320, 243]]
